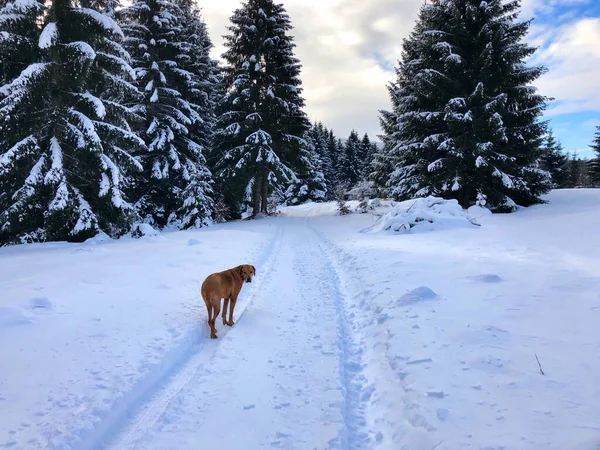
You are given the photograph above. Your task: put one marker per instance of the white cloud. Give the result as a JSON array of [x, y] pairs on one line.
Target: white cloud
[[346, 46], [572, 55]]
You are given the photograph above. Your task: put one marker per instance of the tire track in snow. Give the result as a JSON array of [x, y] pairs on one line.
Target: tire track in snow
[[355, 434], [135, 413]]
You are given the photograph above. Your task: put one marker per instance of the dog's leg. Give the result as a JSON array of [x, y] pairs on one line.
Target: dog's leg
[[209, 319], [211, 322], [225, 304], [216, 310], [231, 307]]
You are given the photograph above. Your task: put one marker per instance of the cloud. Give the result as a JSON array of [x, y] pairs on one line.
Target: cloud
[[572, 56], [348, 49]]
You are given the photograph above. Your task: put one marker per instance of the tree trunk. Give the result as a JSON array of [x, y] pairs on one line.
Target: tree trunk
[[256, 194], [265, 191], [466, 197]]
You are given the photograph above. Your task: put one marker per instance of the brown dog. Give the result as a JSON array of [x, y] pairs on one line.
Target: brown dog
[[226, 285]]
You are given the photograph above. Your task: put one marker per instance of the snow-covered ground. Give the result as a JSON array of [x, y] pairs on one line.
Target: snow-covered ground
[[350, 336]]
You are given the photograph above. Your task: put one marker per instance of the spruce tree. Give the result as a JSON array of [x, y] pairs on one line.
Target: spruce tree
[[65, 162], [260, 124], [333, 153], [349, 167], [319, 135], [595, 164], [169, 51], [554, 161], [366, 153], [339, 150], [380, 169], [466, 120], [19, 35], [311, 184], [199, 83]]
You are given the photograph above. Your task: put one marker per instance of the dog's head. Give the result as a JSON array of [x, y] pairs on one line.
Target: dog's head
[[246, 271]]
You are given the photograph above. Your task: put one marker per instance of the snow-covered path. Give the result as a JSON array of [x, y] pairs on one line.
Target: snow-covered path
[[283, 376]]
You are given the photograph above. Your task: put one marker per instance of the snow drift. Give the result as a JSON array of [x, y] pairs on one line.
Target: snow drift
[[423, 214]]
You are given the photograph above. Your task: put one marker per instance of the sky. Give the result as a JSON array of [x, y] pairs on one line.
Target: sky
[[348, 50]]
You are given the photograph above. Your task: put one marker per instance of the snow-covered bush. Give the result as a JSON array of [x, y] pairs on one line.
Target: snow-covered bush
[[424, 214], [273, 203], [143, 229], [340, 192], [221, 211], [362, 191]]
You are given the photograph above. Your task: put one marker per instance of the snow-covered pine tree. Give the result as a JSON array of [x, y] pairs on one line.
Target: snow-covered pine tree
[[19, 35], [200, 72], [311, 184], [366, 153], [175, 189], [595, 163], [339, 150], [384, 160], [319, 134], [261, 124], [200, 78], [380, 169], [332, 151], [467, 120], [63, 165], [555, 161], [348, 163]]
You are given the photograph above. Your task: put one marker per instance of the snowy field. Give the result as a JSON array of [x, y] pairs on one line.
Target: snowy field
[[353, 335]]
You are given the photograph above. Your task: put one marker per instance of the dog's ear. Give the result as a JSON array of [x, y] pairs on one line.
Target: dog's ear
[[254, 269], [240, 271]]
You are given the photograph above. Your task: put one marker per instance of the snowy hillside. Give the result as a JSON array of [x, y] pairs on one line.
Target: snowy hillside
[[346, 339]]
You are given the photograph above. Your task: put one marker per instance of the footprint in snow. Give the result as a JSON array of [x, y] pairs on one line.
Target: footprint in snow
[[418, 295], [487, 278], [40, 305]]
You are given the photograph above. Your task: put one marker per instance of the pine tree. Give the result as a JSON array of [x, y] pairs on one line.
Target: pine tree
[[311, 184], [554, 161], [366, 153], [381, 167], [168, 47], [339, 152], [595, 164], [261, 124], [19, 35], [466, 122], [319, 135], [65, 171], [332, 150], [200, 80], [384, 158], [349, 167], [199, 72]]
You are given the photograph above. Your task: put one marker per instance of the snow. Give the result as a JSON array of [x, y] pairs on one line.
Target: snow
[[17, 87], [423, 214], [84, 48], [97, 103], [48, 36], [143, 229], [86, 219], [342, 340], [102, 19]]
